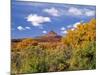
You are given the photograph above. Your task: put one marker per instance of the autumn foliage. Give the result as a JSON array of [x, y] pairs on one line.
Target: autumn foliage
[[75, 51], [26, 42]]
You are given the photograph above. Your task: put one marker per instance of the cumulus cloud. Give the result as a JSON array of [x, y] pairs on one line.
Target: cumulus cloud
[[52, 11], [89, 12], [69, 26], [76, 24], [20, 28], [74, 11], [63, 28], [23, 28], [44, 31], [81, 12], [64, 32], [28, 28], [37, 20]]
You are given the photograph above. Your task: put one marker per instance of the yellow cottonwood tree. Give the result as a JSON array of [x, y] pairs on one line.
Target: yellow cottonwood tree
[[82, 41]]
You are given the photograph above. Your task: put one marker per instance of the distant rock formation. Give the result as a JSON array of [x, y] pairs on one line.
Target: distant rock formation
[[51, 33], [50, 37]]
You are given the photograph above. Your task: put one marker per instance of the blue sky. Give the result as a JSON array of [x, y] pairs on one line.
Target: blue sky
[[32, 19]]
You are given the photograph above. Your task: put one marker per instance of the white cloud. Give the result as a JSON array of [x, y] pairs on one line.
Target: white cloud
[[37, 20], [69, 26], [74, 11], [44, 31], [81, 12], [52, 11], [28, 28], [20, 28], [63, 28], [64, 32], [23, 28], [76, 24], [89, 12]]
